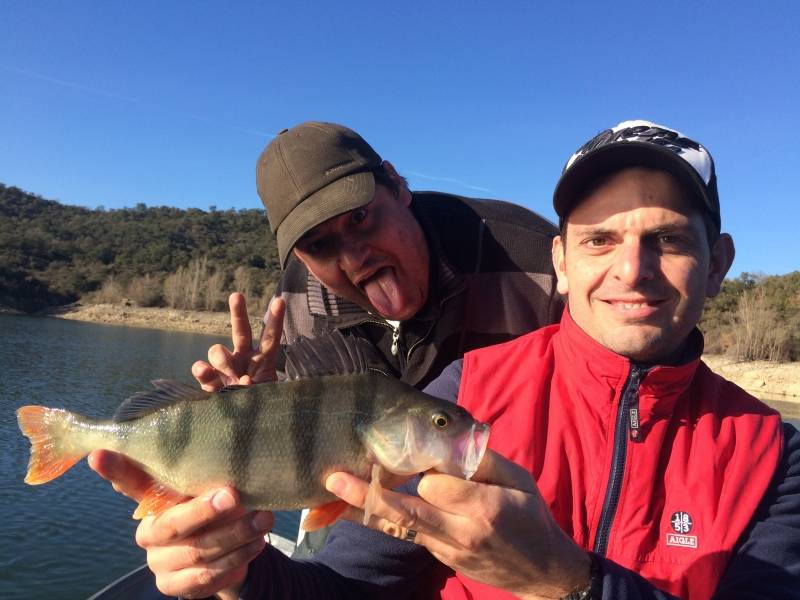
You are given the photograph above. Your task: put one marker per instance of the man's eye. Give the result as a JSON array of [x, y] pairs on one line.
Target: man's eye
[[314, 247], [596, 242], [358, 215]]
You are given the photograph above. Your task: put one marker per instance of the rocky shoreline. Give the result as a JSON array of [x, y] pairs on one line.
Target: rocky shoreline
[[776, 383], [129, 315]]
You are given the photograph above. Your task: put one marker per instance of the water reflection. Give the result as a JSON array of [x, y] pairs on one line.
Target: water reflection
[[68, 538]]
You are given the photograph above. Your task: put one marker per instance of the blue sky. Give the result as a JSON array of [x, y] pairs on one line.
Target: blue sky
[[170, 103]]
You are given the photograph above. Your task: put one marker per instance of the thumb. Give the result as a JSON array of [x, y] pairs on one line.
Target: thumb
[[498, 470]]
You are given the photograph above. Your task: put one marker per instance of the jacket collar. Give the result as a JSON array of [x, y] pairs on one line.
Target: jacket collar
[[592, 363]]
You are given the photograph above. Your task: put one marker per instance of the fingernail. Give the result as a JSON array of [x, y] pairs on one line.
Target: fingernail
[[335, 485], [222, 501], [262, 521]]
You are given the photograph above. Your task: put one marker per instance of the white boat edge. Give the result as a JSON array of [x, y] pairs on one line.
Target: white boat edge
[[139, 584]]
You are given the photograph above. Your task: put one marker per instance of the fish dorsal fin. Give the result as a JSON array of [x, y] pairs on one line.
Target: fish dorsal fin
[[166, 392], [232, 388], [330, 354]]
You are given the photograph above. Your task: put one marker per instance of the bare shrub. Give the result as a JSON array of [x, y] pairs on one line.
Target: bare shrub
[[110, 292], [197, 286], [214, 291], [145, 291], [175, 288], [758, 333], [197, 276], [243, 283]]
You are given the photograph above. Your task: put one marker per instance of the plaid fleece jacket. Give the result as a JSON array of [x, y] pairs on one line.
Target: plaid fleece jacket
[[491, 280]]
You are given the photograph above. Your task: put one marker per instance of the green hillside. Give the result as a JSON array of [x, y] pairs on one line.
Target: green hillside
[[52, 254]]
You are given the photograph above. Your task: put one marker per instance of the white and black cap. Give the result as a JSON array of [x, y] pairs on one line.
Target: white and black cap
[[640, 144]]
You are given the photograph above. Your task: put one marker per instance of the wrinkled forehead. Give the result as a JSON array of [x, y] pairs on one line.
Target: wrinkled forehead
[[648, 192]]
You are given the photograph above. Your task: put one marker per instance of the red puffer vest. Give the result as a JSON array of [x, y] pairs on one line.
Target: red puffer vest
[[659, 470]]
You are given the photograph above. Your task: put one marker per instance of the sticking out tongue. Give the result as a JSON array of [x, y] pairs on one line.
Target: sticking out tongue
[[383, 291]]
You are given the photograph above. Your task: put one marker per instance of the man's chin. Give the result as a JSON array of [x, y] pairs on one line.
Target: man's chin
[[638, 343]]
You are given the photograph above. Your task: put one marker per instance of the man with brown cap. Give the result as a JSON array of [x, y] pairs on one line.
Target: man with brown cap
[[423, 276]]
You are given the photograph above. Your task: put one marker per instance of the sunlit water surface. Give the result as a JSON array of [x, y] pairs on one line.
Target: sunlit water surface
[[71, 536]]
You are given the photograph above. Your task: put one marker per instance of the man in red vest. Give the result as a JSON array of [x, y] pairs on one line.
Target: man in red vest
[[652, 477]]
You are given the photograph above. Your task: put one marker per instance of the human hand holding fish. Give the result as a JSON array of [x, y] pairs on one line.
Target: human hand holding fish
[[197, 548], [245, 365], [494, 528]]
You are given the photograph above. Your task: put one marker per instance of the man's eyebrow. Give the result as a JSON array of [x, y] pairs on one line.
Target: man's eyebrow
[[589, 230], [671, 228]]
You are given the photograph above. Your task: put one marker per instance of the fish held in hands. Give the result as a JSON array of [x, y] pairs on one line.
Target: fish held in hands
[[275, 442]]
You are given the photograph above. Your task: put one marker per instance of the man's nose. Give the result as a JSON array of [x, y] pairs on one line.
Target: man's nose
[[634, 263], [353, 254]]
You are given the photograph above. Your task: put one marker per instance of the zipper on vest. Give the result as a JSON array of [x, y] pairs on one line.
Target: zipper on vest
[[629, 402]]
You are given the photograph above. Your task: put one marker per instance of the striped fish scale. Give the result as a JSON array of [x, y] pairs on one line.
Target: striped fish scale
[[276, 442]]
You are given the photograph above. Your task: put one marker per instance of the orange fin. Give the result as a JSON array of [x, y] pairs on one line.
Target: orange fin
[[46, 428], [323, 515], [157, 498]]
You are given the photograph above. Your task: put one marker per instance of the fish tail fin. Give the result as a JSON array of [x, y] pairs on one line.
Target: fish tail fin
[[323, 515], [47, 430]]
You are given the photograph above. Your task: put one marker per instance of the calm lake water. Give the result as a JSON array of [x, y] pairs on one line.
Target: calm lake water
[[70, 537]]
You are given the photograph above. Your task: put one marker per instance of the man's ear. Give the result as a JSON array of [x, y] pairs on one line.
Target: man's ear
[[721, 260], [560, 265], [403, 194], [299, 257]]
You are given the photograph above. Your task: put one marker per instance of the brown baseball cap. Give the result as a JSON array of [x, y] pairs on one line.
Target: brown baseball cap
[[310, 173]]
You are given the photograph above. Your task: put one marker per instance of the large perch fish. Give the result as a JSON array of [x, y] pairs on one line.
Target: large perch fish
[[276, 443]]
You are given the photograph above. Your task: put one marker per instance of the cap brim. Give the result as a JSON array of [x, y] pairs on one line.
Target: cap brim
[[614, 157], [342, 195]]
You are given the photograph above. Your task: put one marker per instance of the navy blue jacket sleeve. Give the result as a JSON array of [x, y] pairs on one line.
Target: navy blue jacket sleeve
[[766, 563]]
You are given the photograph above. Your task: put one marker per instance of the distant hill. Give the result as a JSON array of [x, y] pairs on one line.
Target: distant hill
[[53, 254]]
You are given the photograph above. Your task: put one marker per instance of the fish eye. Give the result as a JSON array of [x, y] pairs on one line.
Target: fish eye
[[440, 420]]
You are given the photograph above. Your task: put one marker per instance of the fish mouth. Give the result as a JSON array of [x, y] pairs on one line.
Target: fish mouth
[[474, 447]]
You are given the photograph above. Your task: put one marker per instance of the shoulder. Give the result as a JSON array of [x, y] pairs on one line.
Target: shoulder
[[490, 212], [530, 346], [446, 385], [728, 398], [487, 235]]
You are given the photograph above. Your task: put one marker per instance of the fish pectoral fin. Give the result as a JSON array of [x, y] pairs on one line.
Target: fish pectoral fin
[[157, 498], [374, 491], [323, 515]]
